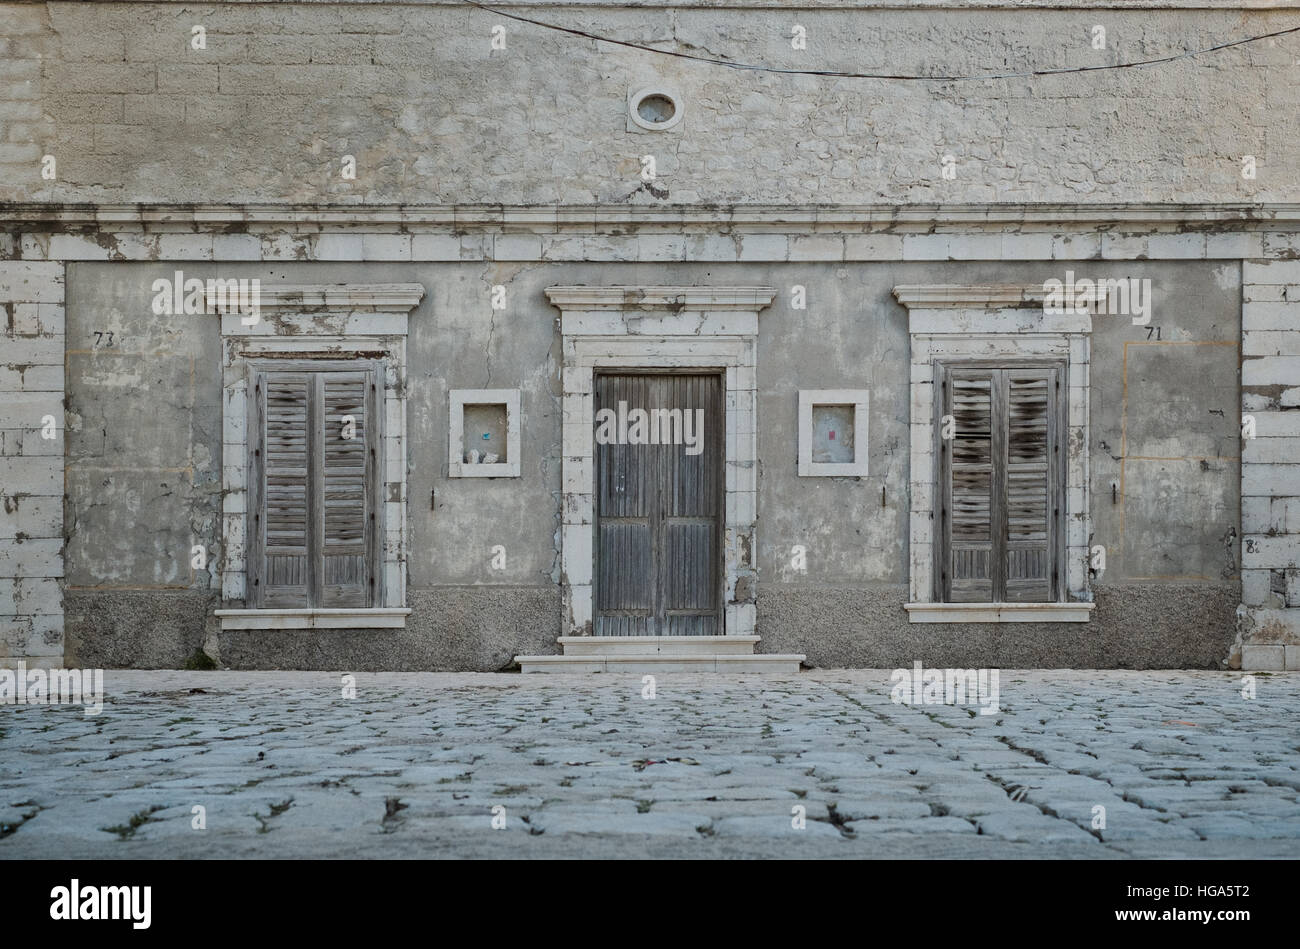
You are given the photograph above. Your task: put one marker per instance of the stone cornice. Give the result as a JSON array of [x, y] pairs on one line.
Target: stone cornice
[[942, 296], [750, 299], [990, 309], [382, 297], [829, 5], [32, 217]]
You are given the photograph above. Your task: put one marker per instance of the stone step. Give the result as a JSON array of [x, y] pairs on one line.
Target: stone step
[[780, 664], [658, 645]]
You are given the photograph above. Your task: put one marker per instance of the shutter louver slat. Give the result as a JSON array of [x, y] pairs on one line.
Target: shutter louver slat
[[345, 579], [286, 462], [1029, 397], [970, 488]]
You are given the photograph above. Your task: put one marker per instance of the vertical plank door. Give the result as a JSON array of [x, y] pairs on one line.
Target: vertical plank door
[[659, 510]]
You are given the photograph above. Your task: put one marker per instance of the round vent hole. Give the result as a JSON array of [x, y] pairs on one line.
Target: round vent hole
[[656, 109]]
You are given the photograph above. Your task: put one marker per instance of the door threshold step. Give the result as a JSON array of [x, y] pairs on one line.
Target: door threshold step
[[658, 645], [778, 663]]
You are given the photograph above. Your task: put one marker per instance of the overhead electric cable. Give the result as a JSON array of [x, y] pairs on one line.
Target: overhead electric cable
[[840, 74]]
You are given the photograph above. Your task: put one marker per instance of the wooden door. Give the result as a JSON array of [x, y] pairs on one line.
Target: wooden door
[[659, 504]]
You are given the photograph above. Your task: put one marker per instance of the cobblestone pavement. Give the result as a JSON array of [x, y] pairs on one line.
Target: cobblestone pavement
[[413, 766]]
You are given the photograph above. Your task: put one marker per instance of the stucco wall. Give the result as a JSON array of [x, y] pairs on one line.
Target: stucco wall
[[432, 113], [144, 469]]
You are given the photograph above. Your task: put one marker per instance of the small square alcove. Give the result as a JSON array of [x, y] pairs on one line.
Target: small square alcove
[[833, 432], [484, 433]]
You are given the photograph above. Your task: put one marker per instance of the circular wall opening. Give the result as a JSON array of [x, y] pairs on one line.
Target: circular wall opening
[[655, 109]]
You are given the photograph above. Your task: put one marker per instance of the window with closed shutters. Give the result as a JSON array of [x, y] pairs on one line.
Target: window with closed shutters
[[313, 477], [1002, 485]]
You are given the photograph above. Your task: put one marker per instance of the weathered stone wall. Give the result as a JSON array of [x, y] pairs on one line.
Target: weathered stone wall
[[143, 463], [132, 114], [1269, 618], [432, 113], [31, 460]]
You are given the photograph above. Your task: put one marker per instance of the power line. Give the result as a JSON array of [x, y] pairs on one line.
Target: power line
[[838, 74]]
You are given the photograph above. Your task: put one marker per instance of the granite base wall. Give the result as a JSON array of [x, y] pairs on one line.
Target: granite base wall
[[481, 629], [1147, 626]]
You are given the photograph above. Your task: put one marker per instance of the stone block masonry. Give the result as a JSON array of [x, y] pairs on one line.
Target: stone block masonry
[[1269, 618], [31, 461], [431, 113]]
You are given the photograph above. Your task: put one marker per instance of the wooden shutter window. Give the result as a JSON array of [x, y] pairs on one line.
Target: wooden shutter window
[[345, 515], [1028, 488], [1000, 513], [970, 495], [312, 484], [285, 575]]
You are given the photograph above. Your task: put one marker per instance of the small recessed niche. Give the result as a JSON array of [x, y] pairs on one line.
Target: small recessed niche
[[654, 109], [483, 433], [833, 432]]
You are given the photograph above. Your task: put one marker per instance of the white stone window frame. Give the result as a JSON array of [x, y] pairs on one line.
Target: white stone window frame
[[345, 321], [457, 399], [659, 328], [950, 323], [811, 398]]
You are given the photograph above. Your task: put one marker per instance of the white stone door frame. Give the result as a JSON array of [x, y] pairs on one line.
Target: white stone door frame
[[949, 322], [660, 328]]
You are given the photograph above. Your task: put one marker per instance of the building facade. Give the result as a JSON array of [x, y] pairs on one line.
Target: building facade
[[379, 336]]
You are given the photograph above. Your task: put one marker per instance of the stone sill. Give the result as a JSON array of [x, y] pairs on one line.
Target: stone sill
[[32, 662], [388, 618], [502, 469], [621, 298], [998, 612], [652, 640]]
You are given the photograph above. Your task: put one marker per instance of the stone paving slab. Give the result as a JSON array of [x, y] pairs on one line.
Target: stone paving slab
[[820, 765]]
